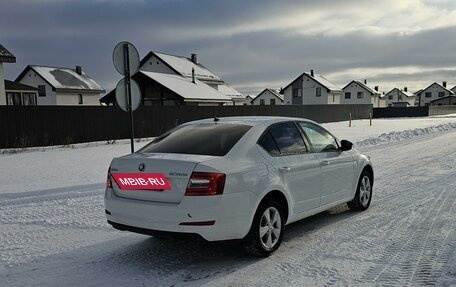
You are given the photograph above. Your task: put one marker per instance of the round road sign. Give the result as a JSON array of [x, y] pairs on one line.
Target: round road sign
[[119, 57], [121, 95]]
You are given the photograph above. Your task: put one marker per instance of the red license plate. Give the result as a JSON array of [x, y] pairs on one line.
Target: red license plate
[[142, 181]]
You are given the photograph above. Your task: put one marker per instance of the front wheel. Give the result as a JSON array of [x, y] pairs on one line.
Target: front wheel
[[363, 195], [266, 232]]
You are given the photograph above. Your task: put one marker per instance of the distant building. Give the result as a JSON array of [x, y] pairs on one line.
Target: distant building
[[400, 98], [433, 92], [311, 89], [268, 97], [192, 71], [445, 101], [5, 57], [18, 94], [248, 100], [61, 86], [357, 92]]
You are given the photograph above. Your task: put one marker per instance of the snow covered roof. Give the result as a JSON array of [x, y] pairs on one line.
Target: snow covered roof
[[396, 90], [185, 88], [184, 66], [6, 56], [230, 91], [319, 79], [63, 78], [364, 86]]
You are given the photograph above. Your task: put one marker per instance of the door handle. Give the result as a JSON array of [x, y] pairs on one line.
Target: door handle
[[284, 169], [325, 162]]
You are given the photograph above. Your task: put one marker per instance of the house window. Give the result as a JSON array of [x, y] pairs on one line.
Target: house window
[[41, 91], [399, 98], [261, 101], [390, 97], [428, 95], [441, 94], [360, 95], [13, 99], [272, 102], [29, 99], [296, 93], [80, 99], [318, 92], [348, 95]]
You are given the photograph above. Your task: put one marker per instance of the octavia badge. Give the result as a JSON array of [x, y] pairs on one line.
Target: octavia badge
[[141, 167]]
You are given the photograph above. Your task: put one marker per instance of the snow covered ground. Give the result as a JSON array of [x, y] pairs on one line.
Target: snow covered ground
[[53, 231]]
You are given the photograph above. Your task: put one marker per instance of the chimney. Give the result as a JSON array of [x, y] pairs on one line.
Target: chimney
[[78, 70], [312, 73], [194, 58], [444, 84], [376, 88], [193, 75], [365, 81], [405, 89]]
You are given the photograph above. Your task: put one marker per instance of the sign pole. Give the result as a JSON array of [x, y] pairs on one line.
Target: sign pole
[[128, 93]]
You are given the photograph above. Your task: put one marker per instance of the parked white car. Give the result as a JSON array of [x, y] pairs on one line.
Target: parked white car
[[236, 178]]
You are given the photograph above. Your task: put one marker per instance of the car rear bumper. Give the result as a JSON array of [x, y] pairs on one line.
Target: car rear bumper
[[232, 214]]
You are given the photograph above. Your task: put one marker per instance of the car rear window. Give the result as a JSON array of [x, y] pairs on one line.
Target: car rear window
[[215, 139]]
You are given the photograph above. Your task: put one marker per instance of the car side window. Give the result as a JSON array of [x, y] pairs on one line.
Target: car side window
[[287, 138], [268, 143], [319, 138]]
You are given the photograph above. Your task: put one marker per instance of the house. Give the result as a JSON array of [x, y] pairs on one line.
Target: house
[[268, 97], [417, 97], [444, 101], [61, 86], [433, 92], [311, 89], [248, 100], [453, 89], [400, 98], [18, 94], [357, 92], [5, 57], [188, 68]]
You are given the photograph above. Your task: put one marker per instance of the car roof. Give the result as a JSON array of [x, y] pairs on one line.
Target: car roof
[[250, 120]]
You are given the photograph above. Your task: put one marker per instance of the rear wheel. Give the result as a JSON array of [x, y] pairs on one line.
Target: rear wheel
[[266, 232], [363, 195]]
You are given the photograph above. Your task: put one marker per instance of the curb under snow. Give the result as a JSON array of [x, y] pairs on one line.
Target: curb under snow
[[404, 135]]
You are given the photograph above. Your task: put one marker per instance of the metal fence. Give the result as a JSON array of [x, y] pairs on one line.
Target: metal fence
[[441, 110], [396, 112], [26, 126]]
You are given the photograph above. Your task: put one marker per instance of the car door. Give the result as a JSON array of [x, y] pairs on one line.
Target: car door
[[338, 167], [299, 169]]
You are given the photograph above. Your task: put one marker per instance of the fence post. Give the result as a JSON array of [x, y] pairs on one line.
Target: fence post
[[370, 119], [350, 121]]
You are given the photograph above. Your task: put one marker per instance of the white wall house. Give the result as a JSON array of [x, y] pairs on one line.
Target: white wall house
[[268, 97], [400, 98], [311, 89], [357, 92], [61, 86], [5, 57], [433, 92], [187, 67]]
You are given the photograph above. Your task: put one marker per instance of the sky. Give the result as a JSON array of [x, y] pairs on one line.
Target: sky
[[252, 45]]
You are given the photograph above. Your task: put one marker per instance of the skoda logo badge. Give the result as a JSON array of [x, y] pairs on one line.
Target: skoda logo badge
[[141, 167]]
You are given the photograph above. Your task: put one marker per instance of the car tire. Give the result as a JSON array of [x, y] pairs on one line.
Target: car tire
[[363, 194], [266, 232]]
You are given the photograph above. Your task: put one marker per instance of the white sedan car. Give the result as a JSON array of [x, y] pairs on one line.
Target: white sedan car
[[236, 178]]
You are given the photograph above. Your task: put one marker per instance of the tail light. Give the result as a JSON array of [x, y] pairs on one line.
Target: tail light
[[205, 183], [108, 179]]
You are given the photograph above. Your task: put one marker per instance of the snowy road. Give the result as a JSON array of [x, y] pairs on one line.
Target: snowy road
[[406, 238]]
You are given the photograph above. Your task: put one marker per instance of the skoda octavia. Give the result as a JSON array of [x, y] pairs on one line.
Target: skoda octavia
[[236, 178]]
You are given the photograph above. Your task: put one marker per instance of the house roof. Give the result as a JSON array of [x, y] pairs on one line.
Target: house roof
[[183, 66], [63, 78], [230, 92], [446, 97], [319, 79], [6, 56], [435, 83], [14, 86], [453, 89], [418, 92], [365, 87], [191, 92], [407, 94], [272, 91]]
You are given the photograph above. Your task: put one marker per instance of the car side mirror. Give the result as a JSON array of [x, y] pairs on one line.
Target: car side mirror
[[345, 145]]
